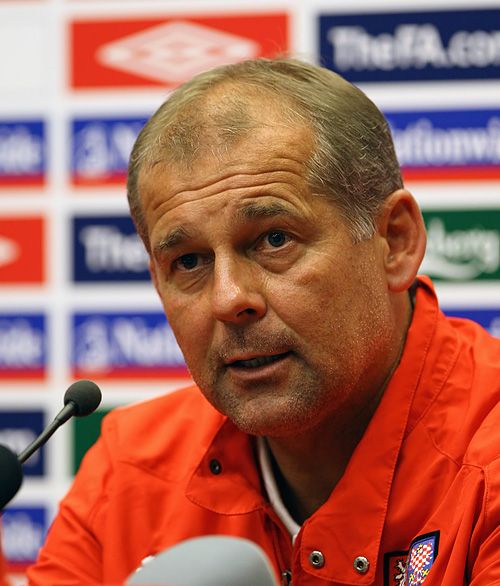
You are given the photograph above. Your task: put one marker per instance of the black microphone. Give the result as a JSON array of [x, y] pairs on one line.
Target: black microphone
[[81, 399], [11, 475]]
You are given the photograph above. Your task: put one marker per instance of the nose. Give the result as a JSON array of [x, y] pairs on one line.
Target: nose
[[237, 295]]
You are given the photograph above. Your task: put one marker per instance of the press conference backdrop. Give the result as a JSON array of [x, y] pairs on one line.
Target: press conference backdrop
[[78, 79]]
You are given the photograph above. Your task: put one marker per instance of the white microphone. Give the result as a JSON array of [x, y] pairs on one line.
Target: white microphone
[[214, 560]]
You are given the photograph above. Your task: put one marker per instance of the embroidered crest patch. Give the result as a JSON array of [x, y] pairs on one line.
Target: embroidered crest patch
[[421, 555], [411, 567]]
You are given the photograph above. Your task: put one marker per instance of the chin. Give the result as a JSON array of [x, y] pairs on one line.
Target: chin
[[271, 422], [271, 411]]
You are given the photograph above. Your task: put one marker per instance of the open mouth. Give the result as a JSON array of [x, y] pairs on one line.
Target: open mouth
[[259, 361]]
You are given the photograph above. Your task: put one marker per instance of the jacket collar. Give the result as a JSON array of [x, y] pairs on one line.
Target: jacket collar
[[227, 481]]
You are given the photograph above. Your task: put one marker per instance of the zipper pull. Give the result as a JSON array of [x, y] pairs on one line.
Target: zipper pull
[[286, 578]]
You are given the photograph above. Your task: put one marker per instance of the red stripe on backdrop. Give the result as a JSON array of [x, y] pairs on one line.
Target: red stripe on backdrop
[[484, 172], [13, 374], [22, 181], [134, 373], [108, 179]]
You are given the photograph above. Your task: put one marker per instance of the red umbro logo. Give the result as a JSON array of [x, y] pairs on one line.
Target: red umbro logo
[[166, 52], [21, 250]]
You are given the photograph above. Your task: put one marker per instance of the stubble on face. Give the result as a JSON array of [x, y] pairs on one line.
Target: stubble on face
[[268, 408], [321, 385]]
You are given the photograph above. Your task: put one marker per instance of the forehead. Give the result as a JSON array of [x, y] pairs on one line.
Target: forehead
[[275, 153]]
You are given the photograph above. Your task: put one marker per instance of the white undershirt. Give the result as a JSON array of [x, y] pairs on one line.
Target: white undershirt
[[272, 490]]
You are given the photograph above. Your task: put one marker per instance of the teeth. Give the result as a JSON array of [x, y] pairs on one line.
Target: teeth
[[258, 361]]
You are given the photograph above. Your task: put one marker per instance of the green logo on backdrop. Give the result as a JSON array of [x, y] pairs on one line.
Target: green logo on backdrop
[[462, 245], [86, 430]]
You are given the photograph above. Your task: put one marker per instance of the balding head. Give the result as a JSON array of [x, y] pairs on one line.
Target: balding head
[[352, 160]]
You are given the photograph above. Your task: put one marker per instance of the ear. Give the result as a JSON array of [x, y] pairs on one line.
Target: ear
[[401, 227]]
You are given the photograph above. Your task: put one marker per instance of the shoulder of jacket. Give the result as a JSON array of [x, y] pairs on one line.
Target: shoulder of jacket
[[149, 429], [484, 447], [464, 417]]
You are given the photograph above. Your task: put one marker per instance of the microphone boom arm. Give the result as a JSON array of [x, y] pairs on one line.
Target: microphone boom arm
[[66, 412]]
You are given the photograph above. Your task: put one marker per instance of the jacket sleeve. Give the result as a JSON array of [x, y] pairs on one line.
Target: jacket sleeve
[[71, 555], [486, 566]]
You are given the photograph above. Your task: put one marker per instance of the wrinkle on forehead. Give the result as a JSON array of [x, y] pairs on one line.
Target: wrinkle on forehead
[[165, 192], [270, 155]]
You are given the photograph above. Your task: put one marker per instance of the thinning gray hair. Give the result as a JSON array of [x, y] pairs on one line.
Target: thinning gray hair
[[353, 161]]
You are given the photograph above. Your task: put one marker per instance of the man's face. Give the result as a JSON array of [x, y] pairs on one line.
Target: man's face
[[282, 319]]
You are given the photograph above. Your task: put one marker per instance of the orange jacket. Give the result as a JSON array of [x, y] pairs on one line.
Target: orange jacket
[[421, 492]]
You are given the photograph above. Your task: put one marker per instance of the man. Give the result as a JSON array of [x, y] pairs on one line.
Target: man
[[351, 430]]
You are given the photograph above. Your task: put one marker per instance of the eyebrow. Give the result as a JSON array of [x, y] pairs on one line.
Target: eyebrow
[[175, 237], [256, 210]]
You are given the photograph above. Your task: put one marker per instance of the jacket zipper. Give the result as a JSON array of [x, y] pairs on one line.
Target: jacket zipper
[[286, 578]]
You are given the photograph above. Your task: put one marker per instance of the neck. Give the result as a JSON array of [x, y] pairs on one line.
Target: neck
[[308, 466]]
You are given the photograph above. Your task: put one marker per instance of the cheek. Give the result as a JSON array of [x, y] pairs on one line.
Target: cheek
[[338, 305], [309, 305]]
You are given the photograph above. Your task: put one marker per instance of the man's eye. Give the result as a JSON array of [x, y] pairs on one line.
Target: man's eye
[[187, 262], [276, 238]]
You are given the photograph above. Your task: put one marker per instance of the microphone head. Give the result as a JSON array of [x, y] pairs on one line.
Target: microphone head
[[85, 396], [212, 560], [11, 475]]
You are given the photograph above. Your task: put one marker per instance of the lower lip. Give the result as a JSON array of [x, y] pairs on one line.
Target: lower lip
[[273, 369]]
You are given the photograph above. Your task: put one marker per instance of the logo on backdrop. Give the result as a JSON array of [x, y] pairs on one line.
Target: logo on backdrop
[[22, 153], [24, 530], [168, 51], [462, 245], [100, 149], [23, 346], [412, 46], [458, 144], [17, 430], [119, 345], [108, 249], [21, 250]]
